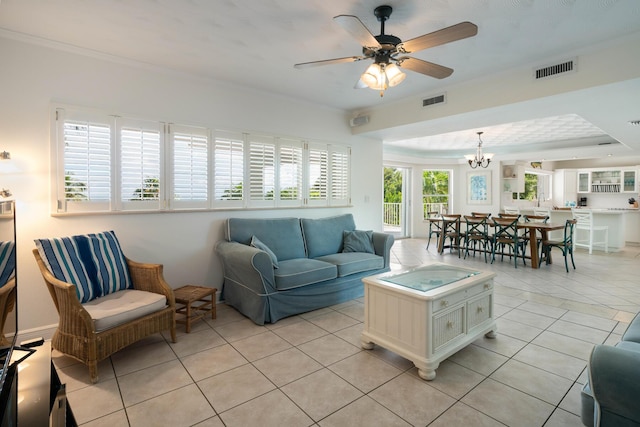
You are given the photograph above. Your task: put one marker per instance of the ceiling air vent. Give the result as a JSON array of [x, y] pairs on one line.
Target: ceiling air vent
[[554, 70], [433, 100]]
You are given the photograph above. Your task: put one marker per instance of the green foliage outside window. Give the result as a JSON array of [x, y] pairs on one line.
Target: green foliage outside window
[[74, 189], [530, 188], [435, 190], [392, 185]]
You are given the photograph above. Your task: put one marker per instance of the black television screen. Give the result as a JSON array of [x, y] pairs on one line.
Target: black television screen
[[8, 292]]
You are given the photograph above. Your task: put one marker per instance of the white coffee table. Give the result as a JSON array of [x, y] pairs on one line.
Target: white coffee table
[[428, 313]]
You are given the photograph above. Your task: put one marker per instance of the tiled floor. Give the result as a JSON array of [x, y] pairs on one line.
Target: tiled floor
[[310, 370]]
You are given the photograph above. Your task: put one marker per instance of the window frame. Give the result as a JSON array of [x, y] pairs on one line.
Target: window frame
[[288, 160]]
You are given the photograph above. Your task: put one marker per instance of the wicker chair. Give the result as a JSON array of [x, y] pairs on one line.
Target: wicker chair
[[7, 303], [76, 335]]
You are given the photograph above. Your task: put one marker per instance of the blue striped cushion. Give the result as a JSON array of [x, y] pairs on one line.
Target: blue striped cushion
[[69, 260], [7, 261], [112, 269]]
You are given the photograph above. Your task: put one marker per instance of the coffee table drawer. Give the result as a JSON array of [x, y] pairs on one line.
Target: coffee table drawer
[[448, 326], [479, 310]]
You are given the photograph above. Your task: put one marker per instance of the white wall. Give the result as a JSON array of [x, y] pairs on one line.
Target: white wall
[[33, 76]]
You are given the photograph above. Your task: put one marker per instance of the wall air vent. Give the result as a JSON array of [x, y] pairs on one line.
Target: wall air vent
[[555, 69], [433, 100]]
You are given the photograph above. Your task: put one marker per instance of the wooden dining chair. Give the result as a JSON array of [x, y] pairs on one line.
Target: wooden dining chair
[[481, 214], [535, 218], [451, 231], [434, 227], [477, 234], [506, 235], [565, 245]]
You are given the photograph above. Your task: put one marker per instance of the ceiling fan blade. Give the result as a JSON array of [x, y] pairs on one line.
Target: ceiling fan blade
[[424, 67], [329, 61], [436, 38], [354, 26]]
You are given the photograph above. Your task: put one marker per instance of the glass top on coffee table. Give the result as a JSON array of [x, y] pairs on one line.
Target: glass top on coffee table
[[429, 277]]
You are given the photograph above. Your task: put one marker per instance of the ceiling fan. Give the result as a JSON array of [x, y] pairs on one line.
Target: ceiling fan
[[387, 51]]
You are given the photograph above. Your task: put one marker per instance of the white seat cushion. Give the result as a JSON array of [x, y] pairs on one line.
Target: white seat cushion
[[122, 306]]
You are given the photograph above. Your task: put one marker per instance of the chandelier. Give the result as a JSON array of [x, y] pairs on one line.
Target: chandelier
[[479, 159], [381, 76]]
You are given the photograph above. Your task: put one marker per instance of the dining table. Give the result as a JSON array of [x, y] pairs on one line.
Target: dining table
[[543, 228]]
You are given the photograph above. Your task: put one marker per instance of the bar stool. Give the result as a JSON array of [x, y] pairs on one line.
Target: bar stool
[[585, 223]]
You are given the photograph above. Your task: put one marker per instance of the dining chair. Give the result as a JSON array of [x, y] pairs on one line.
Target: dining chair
[[434, 227], [451, 231], [481, 214], [565, 245], [477, 234], [506, 234], [585, 223]]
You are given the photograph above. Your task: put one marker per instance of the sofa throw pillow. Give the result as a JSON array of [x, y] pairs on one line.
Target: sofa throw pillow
[[256, 243], [112, 271], [7, 262], [358, 241], [69, 260]]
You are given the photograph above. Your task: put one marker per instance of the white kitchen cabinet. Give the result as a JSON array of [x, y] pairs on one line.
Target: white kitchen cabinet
[[564, 187], [629, 182], [584, 182]]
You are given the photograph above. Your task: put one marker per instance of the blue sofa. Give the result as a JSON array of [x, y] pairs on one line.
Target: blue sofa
[[610, 397], [297, 264]]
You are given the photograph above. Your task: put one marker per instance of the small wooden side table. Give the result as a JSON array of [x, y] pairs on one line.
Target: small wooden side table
[[187, 295]]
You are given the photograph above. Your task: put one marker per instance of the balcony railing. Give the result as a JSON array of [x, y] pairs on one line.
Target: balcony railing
[[392, 212]]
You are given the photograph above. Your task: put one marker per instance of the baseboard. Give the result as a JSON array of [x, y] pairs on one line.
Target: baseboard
[[45, 332]]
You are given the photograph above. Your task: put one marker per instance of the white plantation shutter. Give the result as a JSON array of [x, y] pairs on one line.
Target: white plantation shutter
[[228, 169], [107, 163], [190, 167], [339, 166], [140, 164], [290, 167], [262, 168], [84, 157], [318, 173]]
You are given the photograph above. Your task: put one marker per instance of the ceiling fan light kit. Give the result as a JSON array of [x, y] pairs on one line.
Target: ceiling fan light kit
[[479, 159], [385, 49]]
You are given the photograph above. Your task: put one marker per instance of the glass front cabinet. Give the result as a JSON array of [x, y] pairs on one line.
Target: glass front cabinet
[[607, 181], [584, 182], [629, 182]]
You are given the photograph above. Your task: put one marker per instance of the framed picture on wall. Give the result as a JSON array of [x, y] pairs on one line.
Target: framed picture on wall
[[479, 187]]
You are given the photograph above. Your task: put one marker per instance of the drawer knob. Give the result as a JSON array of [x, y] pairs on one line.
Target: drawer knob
[[480, 309], [486, 286], [444, 303], [449, 324]]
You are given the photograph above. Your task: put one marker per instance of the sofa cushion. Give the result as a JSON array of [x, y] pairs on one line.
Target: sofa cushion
[[324, 236], [298, 272], [353, 262], [282, 235], [121, 307], [257, 243], [358, 241], [68, 259]]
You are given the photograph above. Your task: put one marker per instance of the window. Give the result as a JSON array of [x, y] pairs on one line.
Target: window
[[537, 186], [435, 191], [228, 169], [107, 163]]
